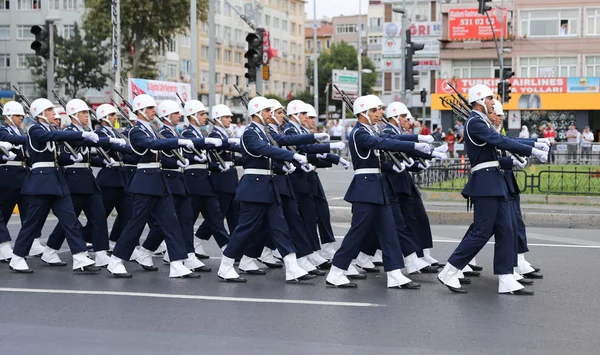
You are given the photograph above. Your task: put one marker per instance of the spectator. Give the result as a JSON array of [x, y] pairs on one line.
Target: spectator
[[349, 129], [550, 133], [450, 140], [564, 27], [438, 135], [335, 130], [241, 128], [587, 137], [524, 132], [460, 131], [416, 127], [425, 131], [572, 134]]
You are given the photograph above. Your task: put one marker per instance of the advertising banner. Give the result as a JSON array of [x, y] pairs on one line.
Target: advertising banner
[[468, 24], [159, 90], [587, 85]]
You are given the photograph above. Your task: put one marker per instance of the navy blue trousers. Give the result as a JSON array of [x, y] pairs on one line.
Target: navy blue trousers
[[250, 229], [308, 212], [113, 198], [213, 217], [520, 230], [230, 209], [93, 208], [324, 221], [416, 218], [490, 215], [183, 209], [4, 235], [9, 198], [368, 218], [162, 210], [38, 207]]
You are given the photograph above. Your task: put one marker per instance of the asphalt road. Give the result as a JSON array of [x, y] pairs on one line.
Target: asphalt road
[[54, 311]]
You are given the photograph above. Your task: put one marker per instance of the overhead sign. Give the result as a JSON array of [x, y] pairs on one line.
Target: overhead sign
[[426, 29], [468, 24], [391, 47], [428, 64], [542, 101], [345, 80], [584, 85], [159, 90]]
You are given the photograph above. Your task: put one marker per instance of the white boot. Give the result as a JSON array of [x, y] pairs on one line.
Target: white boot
[[116, 267], [523, 266], [36, 248], [50, 256], [467, 269], [378, 257], [144, 257], [516, 275], [177, 269], [292, 270], [80, 260], [248, 264], [316, 259], [472, 262], [352, 270], [198, 248], [413, 263], [364, 261], [193, 263], [327, 251], [134, 255], [166, 258], [305, 264], [450, 275], [508, 284], [111, 245], [428, 258], [267, 257], [18, 263], [5, 251], [395, 278], [102, 258], [161, 248], [227, 270], [277, 254], [337, 278]]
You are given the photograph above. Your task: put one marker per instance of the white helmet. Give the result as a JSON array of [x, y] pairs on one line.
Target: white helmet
[[498, 108], [396, 109], [192, 107], [295, 107], [13, 108], [38, 106], [376, 99], [310, 110], [219, 111], [478, 93], [132, 116], [105, 110], [365, 103], [256, 105], [75, 106], [168, 107], [275, 105], [143, 101]]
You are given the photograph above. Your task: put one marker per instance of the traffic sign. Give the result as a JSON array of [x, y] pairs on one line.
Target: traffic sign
[[345, 80]]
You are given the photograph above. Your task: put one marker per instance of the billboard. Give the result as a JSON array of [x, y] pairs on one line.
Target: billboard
[[585, 85], [159, 90], [468, 24]]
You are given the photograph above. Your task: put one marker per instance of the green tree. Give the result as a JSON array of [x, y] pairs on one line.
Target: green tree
[[146, 28], [338, 56], [281, 100]]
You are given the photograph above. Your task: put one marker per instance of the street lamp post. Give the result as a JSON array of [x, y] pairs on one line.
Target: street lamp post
[[359, 49]]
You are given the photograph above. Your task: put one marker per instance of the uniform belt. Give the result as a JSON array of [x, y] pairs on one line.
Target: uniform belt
[[148, 166], [177, 170], [257, 172], [367, 171], [14, 163], [78, 166], [130, 165], [229, 164], [196, 166], [45, 164], [487, 164]]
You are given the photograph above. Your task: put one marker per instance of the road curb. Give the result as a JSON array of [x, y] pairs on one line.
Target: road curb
[[525, 198], [343, 214]]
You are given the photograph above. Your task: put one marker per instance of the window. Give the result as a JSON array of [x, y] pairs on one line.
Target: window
[[592, 66], [217, 78], [238, 35], [284, 25], [319, 46], [186, 41], [267, 20], [293, 48], [293, 68], [204, 27], [27, 89], [28, 4], [238, 57], [374, 40], [227, 10], [204, 77], [276, 44], [228, 56], [237, 80], [275, 64], [172, 71], [480, 68], [376, 24], [204, 52], [218, 51], [548, 67], [293, 8], [70, 4], [186, 66], [4, 61], [53, 4], [345, 28], [592, 22], [549, 23], [309, 44], [328, 43], [284, 46], [285, 4], [284, 67], [4, 4], [68, 31], [171, 45], [227, 32], [23, 32], [276, 22], [217, 31], [22, 60], [293, 28], [4, 32]]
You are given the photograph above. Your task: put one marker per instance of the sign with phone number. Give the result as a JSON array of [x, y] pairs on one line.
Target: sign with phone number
[[468, 24]]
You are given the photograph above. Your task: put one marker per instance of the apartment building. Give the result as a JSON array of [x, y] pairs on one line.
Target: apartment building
[[553, 48]]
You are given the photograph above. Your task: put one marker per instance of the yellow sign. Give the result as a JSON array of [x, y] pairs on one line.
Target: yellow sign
[[541, 101], [265, 72]]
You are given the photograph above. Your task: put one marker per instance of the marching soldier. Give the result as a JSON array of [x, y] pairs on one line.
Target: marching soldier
[[488, 192], [46, 188], [260, 202], [151, 195]]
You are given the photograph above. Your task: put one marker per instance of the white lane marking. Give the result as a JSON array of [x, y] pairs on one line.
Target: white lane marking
[[189, 297]]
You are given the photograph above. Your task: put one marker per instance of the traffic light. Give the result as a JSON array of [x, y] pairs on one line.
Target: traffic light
[[423, 96], [409, 72], [506, 91], [483, 7], [254, 55], [41, 45], [501, 90]]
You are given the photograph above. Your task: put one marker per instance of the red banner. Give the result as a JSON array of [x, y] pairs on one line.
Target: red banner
[[519, 85], [467, 24]]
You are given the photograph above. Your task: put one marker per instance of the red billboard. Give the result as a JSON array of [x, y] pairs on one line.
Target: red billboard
[[518, 85], [469, 25]]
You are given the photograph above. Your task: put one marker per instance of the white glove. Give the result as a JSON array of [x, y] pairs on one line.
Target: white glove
[[426, 166], [119, 141], [442, 148], [110, 163], [183, 165], [422, 147], [234, 141], [308, 168], [6, 145], [322, 155], [518, 163], [200, 159], [300, 158], [407, 164], [289, 170], [543, 140], [185, 143], [78, 158], [337, 145], [542, 146], [540, 154], [90, 136], [426, 139], [11, 156], [441, 156], [345, 163], [214, 141], [322, 137], [399, 169]]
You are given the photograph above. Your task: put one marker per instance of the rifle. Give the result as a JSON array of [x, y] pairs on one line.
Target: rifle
[[27, 104], [175, 152], [215, 155], [84, 127]]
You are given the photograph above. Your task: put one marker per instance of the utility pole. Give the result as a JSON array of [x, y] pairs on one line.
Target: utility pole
[[116, 22], [403, 54], [212, 77], [194, 45], [259, 78], [315, 60], [359, 49], [50, 62]]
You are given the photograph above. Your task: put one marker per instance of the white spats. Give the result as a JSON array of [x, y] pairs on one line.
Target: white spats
[[226, 269], [364, 261], [277, 254], [472, 262], [450, 275], [102, 259], [413, 263], [50, 256], [36, 248], [336, 276], [116, 267], [144, 257], [305, 264], [378, 257], [177, 269], [198, 248], [427, 256], [292, 269], [395, 278], [327, 251], [18, 263], [352, 270], [316, 259], [507, 284], [161, 248], [111, 245], [523, 266], [80, 260], [248, 264], [192, 262], [5, 251], [267, 256]]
